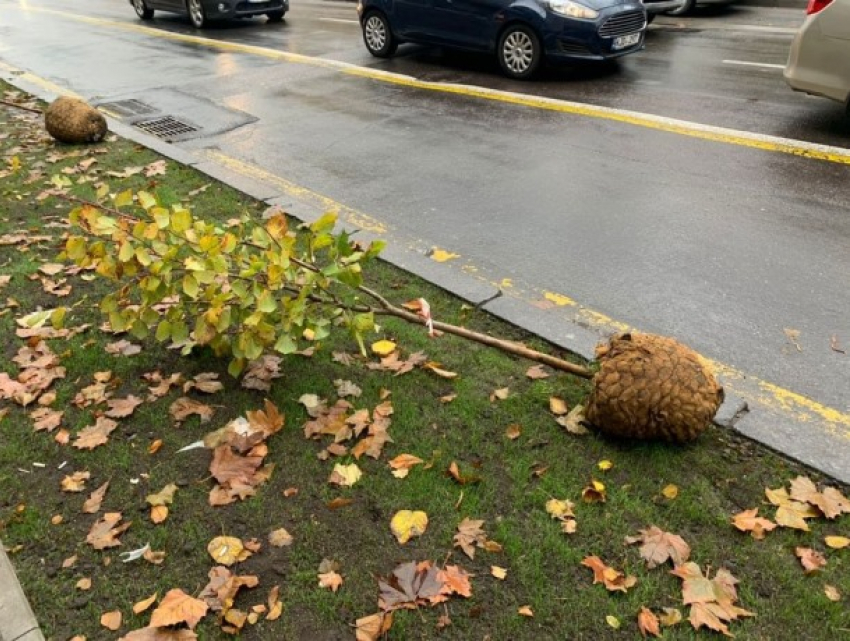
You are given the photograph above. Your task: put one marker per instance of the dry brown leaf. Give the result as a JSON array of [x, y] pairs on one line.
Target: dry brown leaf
[[558, 406], [178, 607], [594, 493], [499, 394], [260, 373], [346, 388], [111, 620], [712, 601], [658, 546], [671, 617], [122, 407], [144, 604], [573, 422], [536, 372], [339, 502], [513, 431], [75, 482], [84, 584], [434, 367], [454, 473], [123, 348], [648, 623], [372, 627], [749, 521], [411, 585], [790, 513], [448, 398], [498, 572], [46, 419], [207, 383], [275, 604], [810, 559], [184, 407], [330, 580], [526, 611], [402, 464], [155, 446], [612, 579], [69, 562], [280, 538], [95, 435], [469, 536], [832, 593], [105, 532], [92, 504], [830, 502]]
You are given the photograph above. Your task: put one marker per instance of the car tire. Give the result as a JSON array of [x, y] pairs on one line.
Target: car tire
[[377, 35], [684, 9], [275, 16], [519, 52], [195, 8], [142, 10]]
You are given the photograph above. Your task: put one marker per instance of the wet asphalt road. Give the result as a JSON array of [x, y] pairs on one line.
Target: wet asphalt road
[[721, 246]]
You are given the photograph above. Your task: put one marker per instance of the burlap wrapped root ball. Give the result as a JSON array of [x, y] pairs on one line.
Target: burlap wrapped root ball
[[74, 121], [652, 388]]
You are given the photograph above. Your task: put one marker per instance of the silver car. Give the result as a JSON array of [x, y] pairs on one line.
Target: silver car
[[819, 62]]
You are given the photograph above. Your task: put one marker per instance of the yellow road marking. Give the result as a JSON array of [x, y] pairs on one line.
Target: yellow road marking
[[38, 81], [648, 121]]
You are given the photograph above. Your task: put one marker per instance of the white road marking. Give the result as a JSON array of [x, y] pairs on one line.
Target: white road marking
[[744, 63], [338, 20]]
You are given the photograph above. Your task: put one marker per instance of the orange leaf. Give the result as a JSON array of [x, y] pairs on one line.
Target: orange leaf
[[105, 532], [749, 521], [144, 604], [658, 546], [811, 560], [513, 432], [178, 607], [92, 504], [648, 623], [339, 502], [525, 611], [111, 620], [94, 435], [154, 446], [159, 513], [455, 581], [330, 580], [612, 579]]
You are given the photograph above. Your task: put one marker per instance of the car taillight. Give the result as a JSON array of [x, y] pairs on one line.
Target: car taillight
[[817, 5]]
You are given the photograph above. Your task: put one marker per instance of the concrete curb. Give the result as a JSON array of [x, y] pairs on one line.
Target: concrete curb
[[17, 621]]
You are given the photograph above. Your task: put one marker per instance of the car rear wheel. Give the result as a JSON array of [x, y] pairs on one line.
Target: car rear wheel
[[275, 16], [519, 52], [196, 13], [378, 36], [142, 9], [684, 9]]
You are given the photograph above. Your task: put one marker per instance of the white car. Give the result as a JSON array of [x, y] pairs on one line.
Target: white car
[[819, 62]]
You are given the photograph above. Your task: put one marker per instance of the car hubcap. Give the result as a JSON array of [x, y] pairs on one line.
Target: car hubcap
[[196, 11], [140, 6], [518, 51], [376, 33]]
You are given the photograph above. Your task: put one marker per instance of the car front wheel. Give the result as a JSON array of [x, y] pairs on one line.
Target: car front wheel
[[142, 9], [684, 9], [196, 13], [519, 52], [378, 36], [275, 16]]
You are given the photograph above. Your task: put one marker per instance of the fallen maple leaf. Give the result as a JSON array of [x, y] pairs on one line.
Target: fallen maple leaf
[[407, 524], [648, 623], [227, 550], [223, 587], [330, 580], [184, 407], [830, 502], [790, 513], [280, 538], [123, 348], [612, 579], [111, 620], [712, 601], [346, 388], [536, 372], [573, 422], [92, 504], [749, 521], [402, 464], [658, 546], [260, 373], [95, 435], [207, 383], [122, 407], [374, 626], [178, 607], [469, 536], [345, 475], [411, 585], [559, 509], [455, 581], [75, 482], [46, 419], [810, 559], [105, 532]]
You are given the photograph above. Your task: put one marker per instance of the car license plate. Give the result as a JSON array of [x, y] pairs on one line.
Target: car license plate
[[626, 41]]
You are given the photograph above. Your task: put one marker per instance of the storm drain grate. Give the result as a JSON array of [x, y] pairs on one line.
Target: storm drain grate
[[129, 107], [166, 127]]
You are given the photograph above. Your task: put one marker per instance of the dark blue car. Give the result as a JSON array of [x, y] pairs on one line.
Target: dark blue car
[[520, 32]]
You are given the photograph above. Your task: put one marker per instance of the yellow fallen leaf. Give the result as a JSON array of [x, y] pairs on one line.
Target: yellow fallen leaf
[[594, 493], [441, 255], [57, 519], [836, 542], [280, 538], [439, 371], [84, 584], [560, 509], [525, 611], [159, 513], [605, 465], [407, 524], [670, 491], [499, 394], [227, 550], [513, 431], [832, 593], [613, 621], [383, 347], [499, 573], [345, 475], [558, 406]]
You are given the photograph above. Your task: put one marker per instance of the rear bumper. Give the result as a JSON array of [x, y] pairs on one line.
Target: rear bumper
[[226, 9], [817, 64], [571, 39]]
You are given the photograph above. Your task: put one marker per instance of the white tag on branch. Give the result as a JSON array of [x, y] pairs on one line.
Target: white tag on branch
[[191, 446], [425, 313], [135, 555]]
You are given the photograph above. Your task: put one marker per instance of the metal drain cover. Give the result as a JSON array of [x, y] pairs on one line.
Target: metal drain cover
[[166, 127], [128, 108]]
